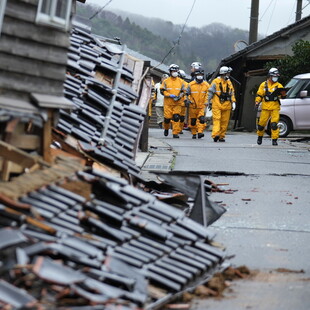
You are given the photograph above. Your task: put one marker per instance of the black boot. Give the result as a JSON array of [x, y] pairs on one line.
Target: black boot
[[259, 140], [194, 136], [166, 132], [176, 136], [274, 142], [200, 135], [216, 138]]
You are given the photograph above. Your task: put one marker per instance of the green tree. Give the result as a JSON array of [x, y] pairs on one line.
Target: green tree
[[290, 66]]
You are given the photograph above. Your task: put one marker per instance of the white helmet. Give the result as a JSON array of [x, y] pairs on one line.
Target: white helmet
[[174, 67], [224, 70], [196, 65], [273, 72], [182, 74]]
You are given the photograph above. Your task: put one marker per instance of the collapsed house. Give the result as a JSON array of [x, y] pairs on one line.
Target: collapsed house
[[79, 229]]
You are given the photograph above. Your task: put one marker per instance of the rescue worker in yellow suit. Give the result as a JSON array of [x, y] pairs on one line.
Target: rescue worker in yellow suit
[[221, 99], [183, 107], [173, 88], [270, 105], [195, 66], [197, 95]]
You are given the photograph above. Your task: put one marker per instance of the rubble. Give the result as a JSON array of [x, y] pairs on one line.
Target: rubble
[[78, 237], [102, 249]]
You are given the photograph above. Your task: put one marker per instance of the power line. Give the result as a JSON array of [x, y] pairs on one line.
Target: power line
[[305, 5], [180, 36], [292, 11], [297, 12], [274, 6], [266, 9], [98, 11]]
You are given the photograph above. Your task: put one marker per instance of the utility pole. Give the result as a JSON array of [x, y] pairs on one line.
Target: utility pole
[[254, 21], [298, 10]]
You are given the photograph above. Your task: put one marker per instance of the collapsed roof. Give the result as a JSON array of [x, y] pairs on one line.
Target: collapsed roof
[[90, 239]]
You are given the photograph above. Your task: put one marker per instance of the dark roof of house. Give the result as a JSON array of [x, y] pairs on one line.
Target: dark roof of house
[[286, 31]]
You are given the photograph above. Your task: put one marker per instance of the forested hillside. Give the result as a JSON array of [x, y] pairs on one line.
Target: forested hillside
[[154, 37]]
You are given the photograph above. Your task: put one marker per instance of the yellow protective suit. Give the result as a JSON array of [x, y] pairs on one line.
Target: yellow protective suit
[[172, 106], [198, 95], [270, 109], [221, 107], [183, 110]]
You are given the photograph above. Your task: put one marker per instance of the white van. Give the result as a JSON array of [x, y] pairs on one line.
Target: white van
[[295, 108]]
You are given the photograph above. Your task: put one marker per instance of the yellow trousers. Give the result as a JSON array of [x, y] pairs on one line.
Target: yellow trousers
[[169, 111], [274, 116], [220, 120], [196, 113], [182, 113]]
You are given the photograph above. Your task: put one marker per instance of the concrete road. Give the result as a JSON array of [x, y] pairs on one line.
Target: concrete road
[[266, 225]]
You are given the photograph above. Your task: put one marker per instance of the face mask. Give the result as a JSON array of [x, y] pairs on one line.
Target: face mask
[[275, 79], [174, 74], [226, 77]]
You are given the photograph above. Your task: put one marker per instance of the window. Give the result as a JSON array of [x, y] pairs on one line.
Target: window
[[54, 12], [2, 9], [296, 86], [307, 88]]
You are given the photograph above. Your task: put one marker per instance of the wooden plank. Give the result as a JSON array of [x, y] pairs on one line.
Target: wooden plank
[[33, 50], [18, 104], [37, 33], [22, 10], [6, 165], [17, 156], [5, 172], [47, 137], [28, 84], [14, 168], [26, 142], [54, 102], [23, 65]]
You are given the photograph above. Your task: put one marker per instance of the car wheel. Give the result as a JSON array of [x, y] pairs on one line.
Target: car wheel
[[285, 127]]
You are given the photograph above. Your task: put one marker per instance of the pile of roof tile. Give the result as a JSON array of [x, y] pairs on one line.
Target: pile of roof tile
[[94, 112], [94, 241], [110, 249]]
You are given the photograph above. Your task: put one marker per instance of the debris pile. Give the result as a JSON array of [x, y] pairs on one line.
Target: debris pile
[[104, 125], [120, 247], [90, 239]]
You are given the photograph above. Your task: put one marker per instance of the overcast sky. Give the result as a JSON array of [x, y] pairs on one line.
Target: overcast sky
[[273, 14]]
